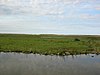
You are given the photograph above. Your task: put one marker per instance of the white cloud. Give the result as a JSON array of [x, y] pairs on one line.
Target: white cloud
[[60, 8], [39, 27], [88, 16]]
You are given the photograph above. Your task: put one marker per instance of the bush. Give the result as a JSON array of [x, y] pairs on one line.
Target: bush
[[76, 39]]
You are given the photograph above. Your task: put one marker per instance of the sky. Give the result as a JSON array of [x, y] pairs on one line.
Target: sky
[[76, 17]]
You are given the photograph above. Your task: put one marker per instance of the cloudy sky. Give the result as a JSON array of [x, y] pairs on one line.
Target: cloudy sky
[[50, 16]]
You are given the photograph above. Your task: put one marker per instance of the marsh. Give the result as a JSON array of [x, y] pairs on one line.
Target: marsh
[[47, 44]]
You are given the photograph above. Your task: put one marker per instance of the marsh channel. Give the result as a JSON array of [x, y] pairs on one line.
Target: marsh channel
[[35, 64]]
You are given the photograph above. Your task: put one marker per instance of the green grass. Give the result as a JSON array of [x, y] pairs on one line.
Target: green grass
[[50, 44]]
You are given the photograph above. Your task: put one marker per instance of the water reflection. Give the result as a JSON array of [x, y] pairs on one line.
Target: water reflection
[[35, 64]]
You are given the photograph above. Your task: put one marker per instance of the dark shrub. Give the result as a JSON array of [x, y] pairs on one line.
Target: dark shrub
[[76, 39]]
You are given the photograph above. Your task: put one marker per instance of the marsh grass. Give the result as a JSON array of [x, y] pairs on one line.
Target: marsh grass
[[50, 44]]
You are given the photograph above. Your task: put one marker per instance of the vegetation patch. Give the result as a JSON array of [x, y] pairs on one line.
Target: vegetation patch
[[50, 44]]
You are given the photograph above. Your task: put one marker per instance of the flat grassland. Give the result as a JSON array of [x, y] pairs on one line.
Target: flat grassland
[[49, 44]]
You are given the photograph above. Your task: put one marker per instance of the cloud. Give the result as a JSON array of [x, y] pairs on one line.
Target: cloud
[[40, 27], [32, 7], [60, 8], [88, 16]]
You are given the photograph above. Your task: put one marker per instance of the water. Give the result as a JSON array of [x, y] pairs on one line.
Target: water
[[34, 64]]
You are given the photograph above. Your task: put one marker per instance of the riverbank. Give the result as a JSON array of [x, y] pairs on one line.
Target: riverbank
[[50, 44]]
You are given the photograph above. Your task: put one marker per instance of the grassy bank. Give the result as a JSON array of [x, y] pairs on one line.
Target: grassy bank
[[50, 44]]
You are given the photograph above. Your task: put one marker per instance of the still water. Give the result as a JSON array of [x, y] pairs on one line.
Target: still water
[[34, 64]]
